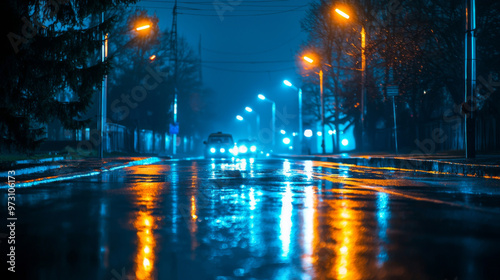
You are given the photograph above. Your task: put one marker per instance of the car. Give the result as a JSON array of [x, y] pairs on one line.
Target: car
[[248, 148], [220, 145]]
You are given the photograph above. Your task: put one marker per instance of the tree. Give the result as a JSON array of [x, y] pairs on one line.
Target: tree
[[50, 67]]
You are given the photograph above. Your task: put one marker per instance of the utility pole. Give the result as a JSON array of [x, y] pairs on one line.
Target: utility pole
[[199, 61], [274, 124], [470, 79], [173, 44], [301, 131], [323, 148], [101, 119], [363, 85], [395, 123]]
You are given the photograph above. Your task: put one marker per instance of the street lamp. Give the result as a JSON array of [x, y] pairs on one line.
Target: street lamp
[[142, 27], [363, 74], [470, 79], [342, 13], [289, 84], [310, 60], [262, 97], [257, 120], [308, 133], [249, 127], [104, 90]]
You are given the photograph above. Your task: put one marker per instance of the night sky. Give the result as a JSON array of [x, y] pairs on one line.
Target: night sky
[[248, 50]]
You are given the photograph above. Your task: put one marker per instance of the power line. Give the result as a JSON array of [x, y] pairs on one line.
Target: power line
[[239, 5], [243, 15], [232, 14], [241, 62], [246, 10], [248, 71], [257, 52]]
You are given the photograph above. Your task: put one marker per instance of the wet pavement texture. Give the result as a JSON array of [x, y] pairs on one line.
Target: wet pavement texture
[[258, 219]]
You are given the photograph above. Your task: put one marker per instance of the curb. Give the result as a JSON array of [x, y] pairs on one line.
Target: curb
[[70, 176], [35, 161], [35, 169], [425, 165]]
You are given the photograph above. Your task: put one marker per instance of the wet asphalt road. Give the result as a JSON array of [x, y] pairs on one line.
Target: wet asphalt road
[[262, 219]]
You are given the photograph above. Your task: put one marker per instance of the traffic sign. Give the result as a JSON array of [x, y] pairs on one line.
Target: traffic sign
[[174, 128], [392, 90]]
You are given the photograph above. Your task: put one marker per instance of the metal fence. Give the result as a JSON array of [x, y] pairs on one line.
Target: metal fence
[[119, 138], [436, 136]]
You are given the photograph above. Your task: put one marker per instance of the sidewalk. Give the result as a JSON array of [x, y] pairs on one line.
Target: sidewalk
[[60, 170], [486, 166]]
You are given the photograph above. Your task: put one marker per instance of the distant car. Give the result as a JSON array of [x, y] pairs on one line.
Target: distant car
[[220, 145], [248, 148]]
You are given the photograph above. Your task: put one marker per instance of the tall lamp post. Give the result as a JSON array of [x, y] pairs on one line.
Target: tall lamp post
[[363, 75], [323, 148], [103, 96], [470, 79], [104, 88], [301, 133], [262, 97], [240, 118], [257, 120]]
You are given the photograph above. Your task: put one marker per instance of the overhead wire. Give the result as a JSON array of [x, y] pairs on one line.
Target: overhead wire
[[247, 71], [232, 14], [211, 3], [256, 52], [245, 62]]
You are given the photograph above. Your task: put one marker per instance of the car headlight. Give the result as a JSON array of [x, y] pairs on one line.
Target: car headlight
[[222, 150], [212, 150], [253, 148], [243, 149]]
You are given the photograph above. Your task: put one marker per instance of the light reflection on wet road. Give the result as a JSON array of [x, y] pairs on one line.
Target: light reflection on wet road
[[262, 219]]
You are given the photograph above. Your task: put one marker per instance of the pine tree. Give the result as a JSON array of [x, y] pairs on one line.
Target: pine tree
[[51, 65]]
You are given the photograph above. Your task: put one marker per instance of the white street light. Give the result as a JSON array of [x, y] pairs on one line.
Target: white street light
[[288, 83], [262, 97], [308, 133], [257, 119]]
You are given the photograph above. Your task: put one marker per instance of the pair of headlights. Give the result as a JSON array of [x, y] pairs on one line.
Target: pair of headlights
[[241, 149], [244, 149], [213, 150]]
